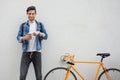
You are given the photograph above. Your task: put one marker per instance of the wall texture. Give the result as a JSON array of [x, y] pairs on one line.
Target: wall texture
[[82, 27]]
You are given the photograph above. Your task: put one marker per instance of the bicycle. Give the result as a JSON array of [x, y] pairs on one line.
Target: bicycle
[[62, 73]]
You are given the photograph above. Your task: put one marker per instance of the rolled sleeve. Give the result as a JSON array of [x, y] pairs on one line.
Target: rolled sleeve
[[43, 34]]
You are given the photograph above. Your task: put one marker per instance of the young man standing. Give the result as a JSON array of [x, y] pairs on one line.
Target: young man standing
[[30, 34]]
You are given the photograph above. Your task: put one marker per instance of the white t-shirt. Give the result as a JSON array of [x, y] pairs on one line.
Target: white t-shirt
[[32, 42]]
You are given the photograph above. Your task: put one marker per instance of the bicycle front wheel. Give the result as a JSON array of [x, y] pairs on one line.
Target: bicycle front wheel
[[113, 72], [59, 74]]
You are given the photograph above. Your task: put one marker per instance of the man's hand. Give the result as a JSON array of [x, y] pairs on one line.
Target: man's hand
[[27, 37], [37, 33]]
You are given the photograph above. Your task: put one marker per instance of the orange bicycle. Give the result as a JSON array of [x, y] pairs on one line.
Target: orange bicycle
[[62, 73]]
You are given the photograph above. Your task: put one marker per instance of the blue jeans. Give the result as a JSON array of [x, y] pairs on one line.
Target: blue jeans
[[27, 58]]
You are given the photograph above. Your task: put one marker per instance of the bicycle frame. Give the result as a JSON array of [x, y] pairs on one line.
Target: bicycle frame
[[99, 63]]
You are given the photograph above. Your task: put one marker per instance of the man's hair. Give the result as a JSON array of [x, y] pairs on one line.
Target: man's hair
[[31, 8]]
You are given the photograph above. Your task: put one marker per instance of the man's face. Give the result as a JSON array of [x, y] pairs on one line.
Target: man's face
[[31, 15]]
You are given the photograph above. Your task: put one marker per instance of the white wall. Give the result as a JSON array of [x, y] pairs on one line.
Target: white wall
[[82, 27]]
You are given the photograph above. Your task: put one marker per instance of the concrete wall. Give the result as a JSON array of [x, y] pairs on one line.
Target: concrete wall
[[82, 27]]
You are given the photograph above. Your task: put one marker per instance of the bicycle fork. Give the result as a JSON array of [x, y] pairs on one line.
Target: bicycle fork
[[68, 72]]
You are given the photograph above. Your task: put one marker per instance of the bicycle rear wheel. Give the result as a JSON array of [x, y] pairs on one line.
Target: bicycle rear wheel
[[114, 74], [59, 73]]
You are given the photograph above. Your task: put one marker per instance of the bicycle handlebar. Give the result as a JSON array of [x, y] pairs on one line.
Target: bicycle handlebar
[[68, 57]]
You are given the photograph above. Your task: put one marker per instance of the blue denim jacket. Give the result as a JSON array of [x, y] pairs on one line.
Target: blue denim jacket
[[25, 30]]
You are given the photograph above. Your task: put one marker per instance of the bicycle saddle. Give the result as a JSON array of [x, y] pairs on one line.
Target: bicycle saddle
[[103, 54]]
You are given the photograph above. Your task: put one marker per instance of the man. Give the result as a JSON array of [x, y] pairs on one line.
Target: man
[[30, 34]]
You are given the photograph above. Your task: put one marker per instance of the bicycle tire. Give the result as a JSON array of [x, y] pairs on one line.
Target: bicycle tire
[[114, 74], [55, 74]]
